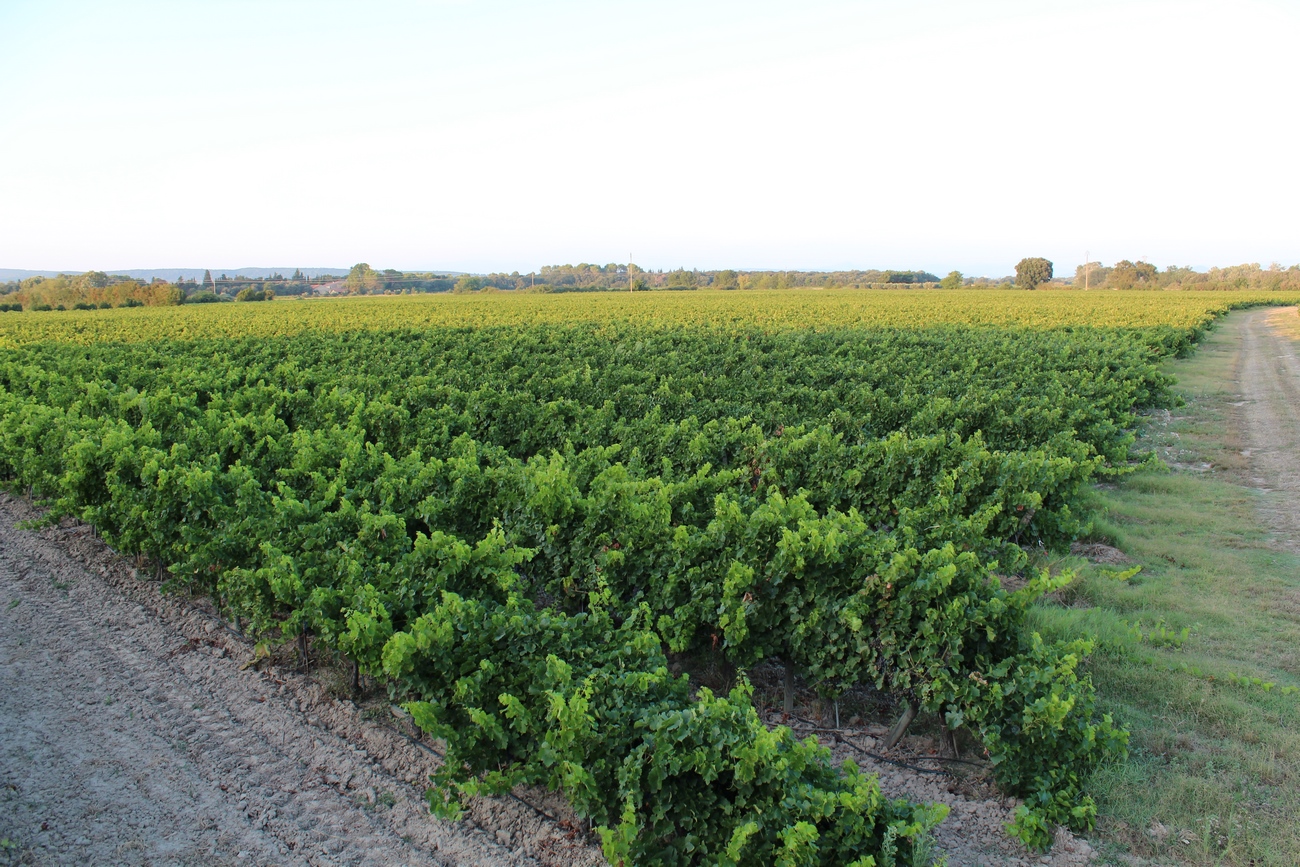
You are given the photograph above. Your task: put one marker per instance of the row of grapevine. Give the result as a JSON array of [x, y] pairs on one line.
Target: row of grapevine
[[799, 310], [836, 499], [536, 389]]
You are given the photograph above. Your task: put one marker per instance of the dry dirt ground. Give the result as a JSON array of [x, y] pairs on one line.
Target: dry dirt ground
[[132, 732], [1268, 379]]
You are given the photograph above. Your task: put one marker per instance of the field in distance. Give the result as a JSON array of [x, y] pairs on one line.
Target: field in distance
[[783, 309]]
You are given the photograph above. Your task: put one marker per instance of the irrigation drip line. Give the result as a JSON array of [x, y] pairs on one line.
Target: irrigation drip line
[[839, 739], [443, 758], [806, 724], [224, 625], [914, 768]]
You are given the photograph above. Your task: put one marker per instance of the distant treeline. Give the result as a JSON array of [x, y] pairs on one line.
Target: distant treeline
[[88, 291], [1144, 275], [586, 277], [96, 289], [617, 277]]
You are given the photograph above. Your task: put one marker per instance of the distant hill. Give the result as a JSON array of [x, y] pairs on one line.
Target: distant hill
[[172, 274]]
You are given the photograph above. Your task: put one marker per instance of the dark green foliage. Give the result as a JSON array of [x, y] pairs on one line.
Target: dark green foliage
[[585, 705], [907, 277], [1032, 271], [203, 296]]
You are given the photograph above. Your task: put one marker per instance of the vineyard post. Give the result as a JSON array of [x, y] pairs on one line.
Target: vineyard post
[[948, 741], [789, 688], [223, 607], [900, 727]]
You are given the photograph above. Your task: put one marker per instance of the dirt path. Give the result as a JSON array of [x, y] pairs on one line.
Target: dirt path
[[1268, 375], [130, 733]]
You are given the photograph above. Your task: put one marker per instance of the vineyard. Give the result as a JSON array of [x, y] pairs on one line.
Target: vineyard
[[512, 511], [786, 309]]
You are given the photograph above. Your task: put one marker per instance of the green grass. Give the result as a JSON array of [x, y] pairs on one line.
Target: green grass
[[1214, 772]]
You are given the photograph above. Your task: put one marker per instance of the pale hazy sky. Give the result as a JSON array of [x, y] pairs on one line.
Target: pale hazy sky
[[507, 135]]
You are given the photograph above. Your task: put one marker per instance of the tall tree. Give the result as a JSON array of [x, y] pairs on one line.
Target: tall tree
[[681, 279], [727, 279], [362, 278], [1128, 275], [1033, 271]]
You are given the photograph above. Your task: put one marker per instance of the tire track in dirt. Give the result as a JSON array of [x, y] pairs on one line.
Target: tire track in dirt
[[130, 734], [1268, 375]]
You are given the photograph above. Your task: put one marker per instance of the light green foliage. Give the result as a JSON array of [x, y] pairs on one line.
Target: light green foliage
[[1124, 575], [1159, 634], [1189, 312], [363, 279]]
